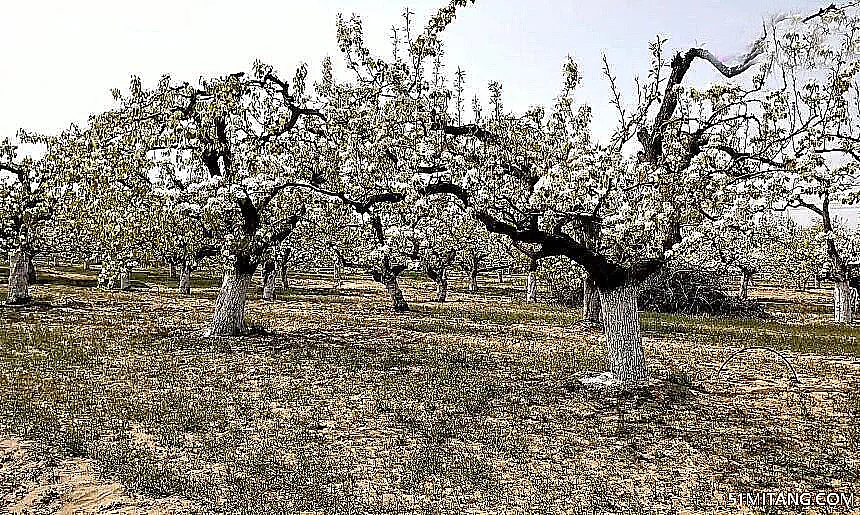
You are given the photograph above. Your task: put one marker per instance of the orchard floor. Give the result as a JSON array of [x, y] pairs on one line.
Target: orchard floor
[[113, 403]]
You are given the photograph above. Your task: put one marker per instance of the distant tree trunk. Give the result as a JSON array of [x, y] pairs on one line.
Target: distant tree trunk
[[501, 276], [31, 270], [125, 279], [283, 267], [388, 278], [269, 280], [746, 278], [56, 261], [474, 266], [842, 302], [396, 295], [531, 282], [473, 281], [442, 286], [185, 279], [19, 285], [337, 273], [172, 273], [87, 265], [623, 333], [229, 316], [285, 279], [855, 299], [590, 304]]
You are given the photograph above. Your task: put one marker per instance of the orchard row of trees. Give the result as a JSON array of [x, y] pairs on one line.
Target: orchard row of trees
[[389, 166]]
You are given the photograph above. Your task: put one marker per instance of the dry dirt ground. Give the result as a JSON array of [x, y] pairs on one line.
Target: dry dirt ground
[[112, 403]]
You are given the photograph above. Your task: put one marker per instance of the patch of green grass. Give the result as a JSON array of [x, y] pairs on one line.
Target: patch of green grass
[[829, 339], [515, 314]]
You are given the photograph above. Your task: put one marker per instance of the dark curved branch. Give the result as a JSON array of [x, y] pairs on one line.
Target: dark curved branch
[[606, 275], [652, 140], [466, 130]]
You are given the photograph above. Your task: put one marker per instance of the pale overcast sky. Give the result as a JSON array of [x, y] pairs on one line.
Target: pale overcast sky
[[62, 57]]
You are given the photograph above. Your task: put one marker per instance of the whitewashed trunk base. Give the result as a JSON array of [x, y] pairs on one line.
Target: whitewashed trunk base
[[623, 334], [745, 286], [269, 284], [531, 287], [185, 280], [442, 288], [19, 283], [229, 316], [843, 312]]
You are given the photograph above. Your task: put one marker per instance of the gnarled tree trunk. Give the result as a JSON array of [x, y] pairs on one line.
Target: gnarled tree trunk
[[269, 280], [590, 304], [185, 279], [229, 316], [623, 333], [389, 279], [392, 287], [473, 279], [19, 285], [842, 302]]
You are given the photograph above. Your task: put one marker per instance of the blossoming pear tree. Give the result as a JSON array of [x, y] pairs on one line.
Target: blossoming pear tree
[[540, 179], [235, 142], [376, 136]]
